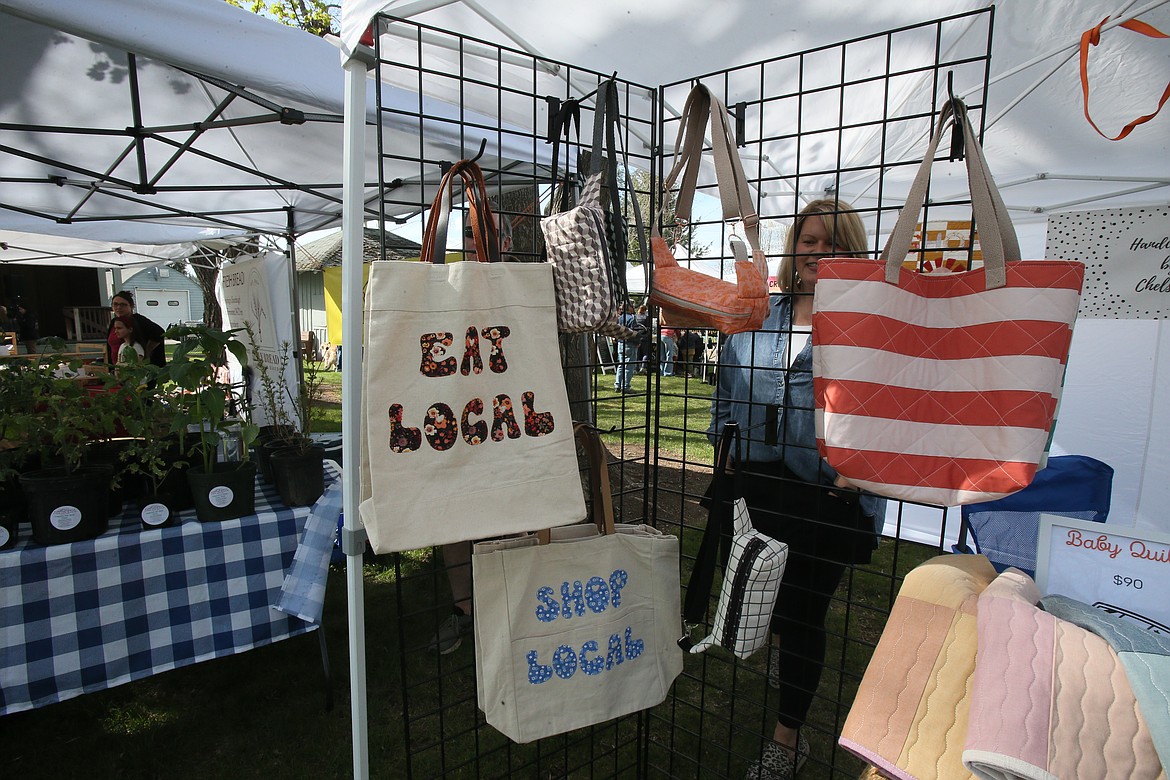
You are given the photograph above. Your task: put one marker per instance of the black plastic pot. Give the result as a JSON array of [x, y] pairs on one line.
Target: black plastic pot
[[299, 475], [67, 506], [108, 453], [227, 492], [160, 508]]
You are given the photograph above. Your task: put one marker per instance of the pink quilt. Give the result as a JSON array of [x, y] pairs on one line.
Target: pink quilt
[[1049, 699]]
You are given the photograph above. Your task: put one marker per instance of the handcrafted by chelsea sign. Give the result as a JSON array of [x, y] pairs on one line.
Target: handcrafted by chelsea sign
[[1126, 253]]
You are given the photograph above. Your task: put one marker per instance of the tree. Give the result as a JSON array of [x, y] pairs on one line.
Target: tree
[[314, 16], [205, 265], [675, 234]]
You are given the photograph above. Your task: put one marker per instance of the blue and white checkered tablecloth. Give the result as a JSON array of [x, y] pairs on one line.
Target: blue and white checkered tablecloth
[[81, 617]]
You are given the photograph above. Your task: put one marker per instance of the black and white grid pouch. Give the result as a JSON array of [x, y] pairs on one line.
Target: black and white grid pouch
[[751, 578]]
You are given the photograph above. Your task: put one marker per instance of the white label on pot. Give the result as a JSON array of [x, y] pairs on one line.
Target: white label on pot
[[220, 496], [155, 514], [65, 518], [4, 536]]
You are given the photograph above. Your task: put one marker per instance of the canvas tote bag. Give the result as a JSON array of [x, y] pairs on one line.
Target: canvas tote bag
[[942, 389], [688, 298], [465, 422], [579, 630]]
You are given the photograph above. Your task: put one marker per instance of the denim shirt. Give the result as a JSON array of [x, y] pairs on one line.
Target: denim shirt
[[754, 373]]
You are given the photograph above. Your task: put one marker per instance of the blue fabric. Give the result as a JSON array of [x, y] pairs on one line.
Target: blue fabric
[[753, 372], [303, 591], [1007, 530]]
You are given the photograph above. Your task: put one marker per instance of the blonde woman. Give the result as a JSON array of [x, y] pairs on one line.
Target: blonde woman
[[792, 494]]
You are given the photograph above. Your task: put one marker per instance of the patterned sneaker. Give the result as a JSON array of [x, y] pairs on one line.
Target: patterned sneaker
[[450, 634], [778, 762]]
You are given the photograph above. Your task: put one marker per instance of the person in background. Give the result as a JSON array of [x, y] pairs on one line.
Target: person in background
[[147, 332], [6, 324], [27, 329], [792, 494], [627, 351], [645, 328], [457, 556], [131, 351], [690, 344], [669, 349]]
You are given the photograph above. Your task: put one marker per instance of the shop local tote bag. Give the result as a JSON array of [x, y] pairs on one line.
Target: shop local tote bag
[[577, 631], [466, 421], [942, 389]]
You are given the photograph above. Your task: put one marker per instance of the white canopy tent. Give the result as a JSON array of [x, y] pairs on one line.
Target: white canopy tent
[[116, 129], [142, 151]]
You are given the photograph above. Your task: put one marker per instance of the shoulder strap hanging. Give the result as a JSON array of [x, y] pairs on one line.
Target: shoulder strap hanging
[[734, 194], [565, 123], [1092, 38], [997, 237], [716, 544]]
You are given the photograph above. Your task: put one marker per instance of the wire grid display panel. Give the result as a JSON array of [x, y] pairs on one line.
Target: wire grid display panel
[[853, 119], [480, 92]]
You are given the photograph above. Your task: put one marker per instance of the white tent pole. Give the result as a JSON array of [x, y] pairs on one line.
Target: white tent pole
[[352, 256]]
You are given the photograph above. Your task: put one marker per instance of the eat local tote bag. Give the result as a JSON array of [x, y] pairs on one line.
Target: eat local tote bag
[[942, 389], [466, 423], [580, 630]]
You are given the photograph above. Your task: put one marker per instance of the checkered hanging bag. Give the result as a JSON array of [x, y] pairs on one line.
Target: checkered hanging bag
[[754, 566], [942, 389], [586, 244]]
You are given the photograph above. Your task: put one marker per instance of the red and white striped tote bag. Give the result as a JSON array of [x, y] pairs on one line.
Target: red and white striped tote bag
[[942, 389]]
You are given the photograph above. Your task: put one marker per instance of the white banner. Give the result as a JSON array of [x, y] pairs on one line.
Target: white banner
[[257, 292]]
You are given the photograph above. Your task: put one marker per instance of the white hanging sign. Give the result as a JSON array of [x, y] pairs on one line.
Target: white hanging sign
[[1126, 253]]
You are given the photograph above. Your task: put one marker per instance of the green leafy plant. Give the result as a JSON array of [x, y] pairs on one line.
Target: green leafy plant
[[200, 400], [273, 392], [147, 421], [51, 412]]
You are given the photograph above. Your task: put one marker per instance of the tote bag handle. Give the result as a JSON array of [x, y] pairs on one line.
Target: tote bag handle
[[601, 499], [997, 237], [734, 195], [483, 226]]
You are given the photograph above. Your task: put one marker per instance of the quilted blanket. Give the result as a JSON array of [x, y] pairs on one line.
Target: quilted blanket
[[909, 717], [1144, 654], [1049, 699]]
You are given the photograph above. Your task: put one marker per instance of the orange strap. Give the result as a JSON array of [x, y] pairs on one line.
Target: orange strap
[[1092, 38]]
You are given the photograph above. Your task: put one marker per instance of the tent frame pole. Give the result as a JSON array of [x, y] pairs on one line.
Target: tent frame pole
[[353, 156]]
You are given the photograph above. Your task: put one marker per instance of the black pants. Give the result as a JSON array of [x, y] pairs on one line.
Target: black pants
[[825, 530]]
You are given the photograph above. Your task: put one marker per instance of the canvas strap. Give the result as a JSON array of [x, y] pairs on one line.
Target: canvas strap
[[734, 196], [1092, 38], [600, 495], [997, 236]]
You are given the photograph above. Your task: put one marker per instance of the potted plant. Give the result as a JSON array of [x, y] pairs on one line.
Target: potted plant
[[221, 491], [151, 451], [54, 410], [295, 461]]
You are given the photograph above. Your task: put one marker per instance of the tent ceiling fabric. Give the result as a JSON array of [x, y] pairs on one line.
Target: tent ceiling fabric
[[211, 153], [1043, 153], [66, 103]]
